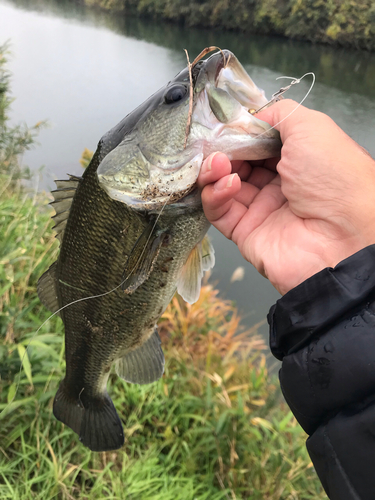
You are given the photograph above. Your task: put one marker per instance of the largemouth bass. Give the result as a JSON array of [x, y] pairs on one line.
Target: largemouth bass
[[134, 226]]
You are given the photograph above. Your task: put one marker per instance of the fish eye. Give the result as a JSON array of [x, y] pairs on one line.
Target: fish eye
[[175, 94]]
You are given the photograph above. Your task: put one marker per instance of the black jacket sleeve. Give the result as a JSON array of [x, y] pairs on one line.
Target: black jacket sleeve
[[324, 332]]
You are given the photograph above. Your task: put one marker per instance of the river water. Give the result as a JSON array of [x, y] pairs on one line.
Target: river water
[[83, 71]]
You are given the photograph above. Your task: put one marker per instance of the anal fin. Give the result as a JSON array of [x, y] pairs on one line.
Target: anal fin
[[143, 365]]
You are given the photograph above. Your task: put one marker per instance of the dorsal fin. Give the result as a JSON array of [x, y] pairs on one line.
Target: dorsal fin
[[201, 258], [63, 197], [47, 289], [63, 193]]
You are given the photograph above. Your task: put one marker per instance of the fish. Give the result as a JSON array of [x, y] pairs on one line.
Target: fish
[[132, 231]]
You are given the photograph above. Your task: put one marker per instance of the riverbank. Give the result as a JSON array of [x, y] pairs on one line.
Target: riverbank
[[338, 22], [214, 427]]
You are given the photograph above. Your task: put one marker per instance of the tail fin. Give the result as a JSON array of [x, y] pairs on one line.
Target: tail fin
[[95, 420]]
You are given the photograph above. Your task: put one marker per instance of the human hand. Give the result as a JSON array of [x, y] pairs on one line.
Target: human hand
[[294, 216]]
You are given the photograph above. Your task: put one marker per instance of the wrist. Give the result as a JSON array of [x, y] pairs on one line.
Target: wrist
[[342, 249]]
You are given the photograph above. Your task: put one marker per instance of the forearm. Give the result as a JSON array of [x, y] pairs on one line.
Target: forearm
[[324, 332]]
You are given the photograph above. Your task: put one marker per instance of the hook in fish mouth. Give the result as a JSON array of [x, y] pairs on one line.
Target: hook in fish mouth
[[154, 165], [223, 115]]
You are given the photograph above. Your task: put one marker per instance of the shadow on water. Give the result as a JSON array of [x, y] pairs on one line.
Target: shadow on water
[[347, 70]]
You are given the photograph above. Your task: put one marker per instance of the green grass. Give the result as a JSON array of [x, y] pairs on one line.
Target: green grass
[[214, 427]]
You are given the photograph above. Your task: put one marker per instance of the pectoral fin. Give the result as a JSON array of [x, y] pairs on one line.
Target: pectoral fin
[[142, 258], [143, 365], [201, 258], [208, 254]]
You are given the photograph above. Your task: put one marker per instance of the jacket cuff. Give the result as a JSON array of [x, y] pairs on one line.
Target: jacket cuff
[[308, 309], [324, 332]]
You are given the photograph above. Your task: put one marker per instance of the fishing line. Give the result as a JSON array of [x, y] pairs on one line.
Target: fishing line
[[190, 113], [272, 101]]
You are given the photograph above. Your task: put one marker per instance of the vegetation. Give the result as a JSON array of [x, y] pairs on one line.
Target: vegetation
[[213, 427], [343, 22]]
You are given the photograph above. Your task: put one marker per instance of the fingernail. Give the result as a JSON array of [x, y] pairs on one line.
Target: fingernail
[[209, 162], [230, 180], [222, 184]]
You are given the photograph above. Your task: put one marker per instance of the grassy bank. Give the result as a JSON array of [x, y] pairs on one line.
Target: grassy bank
[[341, 22], [214, 427]]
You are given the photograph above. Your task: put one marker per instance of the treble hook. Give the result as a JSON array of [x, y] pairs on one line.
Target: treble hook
[[277, 96]]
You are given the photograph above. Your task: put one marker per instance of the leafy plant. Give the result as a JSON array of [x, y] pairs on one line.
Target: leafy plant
[[342, 22]]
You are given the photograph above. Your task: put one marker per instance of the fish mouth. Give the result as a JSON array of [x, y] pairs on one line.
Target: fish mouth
[[222, 119], [224, 115], [231, 76]]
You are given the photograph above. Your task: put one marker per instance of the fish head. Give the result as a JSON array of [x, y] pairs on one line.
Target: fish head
[[159, 152]]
